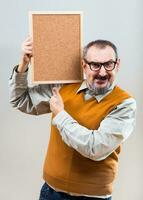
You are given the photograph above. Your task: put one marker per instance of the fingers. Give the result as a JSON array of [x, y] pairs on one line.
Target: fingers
[[28, 39], [27, 46], [55, 91], [56, 94], [56, 102], [53, 100]]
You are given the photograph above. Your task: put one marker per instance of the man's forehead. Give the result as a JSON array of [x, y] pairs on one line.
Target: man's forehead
[[100, 54]]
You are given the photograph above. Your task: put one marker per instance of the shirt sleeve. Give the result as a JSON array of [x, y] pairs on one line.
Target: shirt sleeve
[[31, 100], [100, 143]]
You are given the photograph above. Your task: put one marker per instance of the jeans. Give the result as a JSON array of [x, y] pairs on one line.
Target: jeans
[[48, 193]]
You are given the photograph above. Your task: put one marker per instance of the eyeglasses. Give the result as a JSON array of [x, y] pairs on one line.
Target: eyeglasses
[[96, 66]]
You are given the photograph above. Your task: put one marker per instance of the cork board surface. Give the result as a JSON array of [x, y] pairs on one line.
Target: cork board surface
[[56, 47]]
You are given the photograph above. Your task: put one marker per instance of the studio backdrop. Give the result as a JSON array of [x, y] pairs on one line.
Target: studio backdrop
[[24, 138]]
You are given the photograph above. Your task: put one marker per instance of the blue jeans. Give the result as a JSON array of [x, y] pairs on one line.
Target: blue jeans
[[48, 193]]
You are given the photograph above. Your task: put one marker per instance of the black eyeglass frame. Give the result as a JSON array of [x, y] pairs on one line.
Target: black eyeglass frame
[[100, 65]]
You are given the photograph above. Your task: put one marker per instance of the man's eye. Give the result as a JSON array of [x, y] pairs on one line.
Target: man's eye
[[108, 64], [96, 65]]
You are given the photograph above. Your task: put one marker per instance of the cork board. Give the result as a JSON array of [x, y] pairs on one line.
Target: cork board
[[57, 41]]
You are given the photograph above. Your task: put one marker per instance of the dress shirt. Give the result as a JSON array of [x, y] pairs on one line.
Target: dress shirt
[[93, 144]]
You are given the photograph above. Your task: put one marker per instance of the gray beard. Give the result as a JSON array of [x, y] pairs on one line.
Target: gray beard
[[101, 90], [97, 91]]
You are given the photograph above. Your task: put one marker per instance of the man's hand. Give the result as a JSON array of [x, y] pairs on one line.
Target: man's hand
[[27, 50], [56, 102]]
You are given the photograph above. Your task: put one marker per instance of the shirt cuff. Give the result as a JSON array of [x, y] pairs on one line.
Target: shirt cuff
[[60, 119], [19, 77]]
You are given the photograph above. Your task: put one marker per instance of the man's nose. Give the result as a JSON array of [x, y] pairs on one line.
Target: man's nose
[[102, 71]]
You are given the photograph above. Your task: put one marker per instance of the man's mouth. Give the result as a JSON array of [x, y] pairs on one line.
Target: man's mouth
[[101, 79]]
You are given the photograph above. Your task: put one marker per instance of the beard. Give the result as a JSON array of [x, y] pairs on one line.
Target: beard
[[98, 90]]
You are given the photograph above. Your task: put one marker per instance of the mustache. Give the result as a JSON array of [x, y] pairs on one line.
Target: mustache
[[102, 78]]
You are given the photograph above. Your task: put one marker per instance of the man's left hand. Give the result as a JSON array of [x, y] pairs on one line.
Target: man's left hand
[[56, 102]]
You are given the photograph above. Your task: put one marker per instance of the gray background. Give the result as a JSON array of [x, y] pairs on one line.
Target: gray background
[[24, 138]]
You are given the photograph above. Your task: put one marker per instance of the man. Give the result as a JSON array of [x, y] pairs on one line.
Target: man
[[90, 121]]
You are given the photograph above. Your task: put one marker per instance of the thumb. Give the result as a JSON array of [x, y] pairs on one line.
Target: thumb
[[55, 91]]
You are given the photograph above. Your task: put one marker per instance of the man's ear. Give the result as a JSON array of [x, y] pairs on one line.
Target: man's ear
[[118, 64], [83, 64]]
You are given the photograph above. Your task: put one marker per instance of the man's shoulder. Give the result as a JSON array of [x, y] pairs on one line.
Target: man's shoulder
[[118, 96], [118, 91]]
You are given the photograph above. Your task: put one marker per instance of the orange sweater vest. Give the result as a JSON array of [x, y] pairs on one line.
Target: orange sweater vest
[[64, 167]]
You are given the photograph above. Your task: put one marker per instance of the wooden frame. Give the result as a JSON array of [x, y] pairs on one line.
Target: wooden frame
[[57, 42]]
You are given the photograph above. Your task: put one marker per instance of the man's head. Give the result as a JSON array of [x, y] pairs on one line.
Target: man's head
[[100, 64]]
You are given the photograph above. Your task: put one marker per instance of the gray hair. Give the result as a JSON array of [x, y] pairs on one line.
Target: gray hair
[[100, 44]]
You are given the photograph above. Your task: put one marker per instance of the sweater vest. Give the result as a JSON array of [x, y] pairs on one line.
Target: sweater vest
[[67, 170]]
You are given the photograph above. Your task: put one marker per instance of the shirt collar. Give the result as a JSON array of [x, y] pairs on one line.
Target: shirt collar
[[83, 87]]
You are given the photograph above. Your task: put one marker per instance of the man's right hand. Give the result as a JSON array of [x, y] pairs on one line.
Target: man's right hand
[[27, 50]]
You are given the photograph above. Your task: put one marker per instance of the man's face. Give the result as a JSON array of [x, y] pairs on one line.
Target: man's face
[[101, 79]]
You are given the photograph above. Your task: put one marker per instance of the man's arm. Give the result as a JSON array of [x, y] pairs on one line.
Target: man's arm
[[31, 100], [100, 143]]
